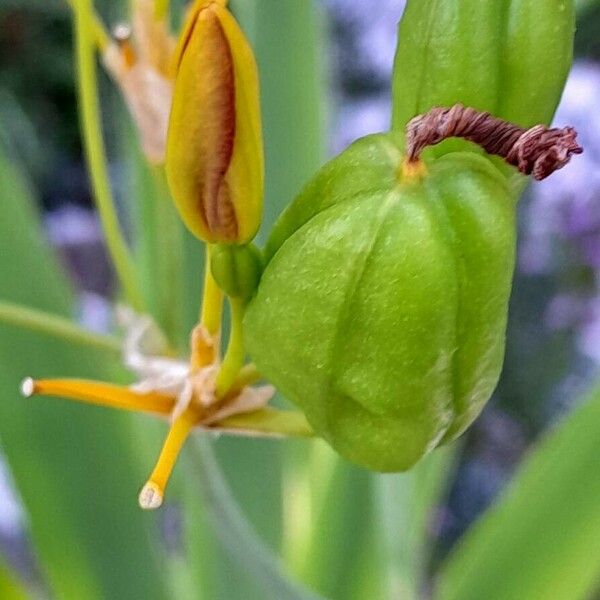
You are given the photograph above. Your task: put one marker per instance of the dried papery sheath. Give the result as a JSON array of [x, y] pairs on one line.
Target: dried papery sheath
[[214, 144], [153, 40], [138, 60], [148, 97]]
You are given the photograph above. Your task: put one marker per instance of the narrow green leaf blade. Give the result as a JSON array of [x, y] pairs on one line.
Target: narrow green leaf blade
[[405, 505], [542, 540], [236, 534], [10, 587]]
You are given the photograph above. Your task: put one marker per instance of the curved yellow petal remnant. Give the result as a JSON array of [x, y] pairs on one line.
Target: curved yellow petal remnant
[[215, 158]]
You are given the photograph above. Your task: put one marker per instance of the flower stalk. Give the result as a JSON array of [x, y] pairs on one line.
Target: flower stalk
[[100, 35], [161, 9], [235, 354], [95, 153]]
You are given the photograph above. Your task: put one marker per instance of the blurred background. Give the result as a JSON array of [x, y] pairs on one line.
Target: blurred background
[[553, 346]]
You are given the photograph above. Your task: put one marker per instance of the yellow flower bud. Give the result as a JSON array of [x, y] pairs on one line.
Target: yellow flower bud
[[214, 146]]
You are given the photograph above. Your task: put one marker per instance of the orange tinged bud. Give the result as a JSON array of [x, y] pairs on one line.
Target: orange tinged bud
[[214, 146]]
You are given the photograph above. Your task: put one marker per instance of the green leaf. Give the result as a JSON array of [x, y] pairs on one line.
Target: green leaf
[[341, 522], [235, 533], [582, 5], [542, 540], [10, 587], [74, 466], [159, 235], [405, 505], [289, 41]]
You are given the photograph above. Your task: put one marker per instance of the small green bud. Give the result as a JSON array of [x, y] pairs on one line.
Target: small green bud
[[237, 269]]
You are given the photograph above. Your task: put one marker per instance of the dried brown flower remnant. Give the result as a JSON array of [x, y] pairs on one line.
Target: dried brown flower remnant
[[538, 151], [138, 59]]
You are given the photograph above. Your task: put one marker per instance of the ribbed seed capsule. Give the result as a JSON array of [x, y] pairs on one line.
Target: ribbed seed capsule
[[508, 58], [385, 291], [214, 146], [385, 302]]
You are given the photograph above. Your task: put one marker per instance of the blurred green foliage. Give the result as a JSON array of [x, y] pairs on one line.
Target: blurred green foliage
[[542, 540], [10, 588], [341, 531]]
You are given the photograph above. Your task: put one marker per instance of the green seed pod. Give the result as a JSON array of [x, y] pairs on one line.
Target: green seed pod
[[236, 269], [382, 308], [382, 313], [515, 66]]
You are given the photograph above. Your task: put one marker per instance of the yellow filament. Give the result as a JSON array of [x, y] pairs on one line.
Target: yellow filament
[[152, 493], [122, 37], [101, 394]]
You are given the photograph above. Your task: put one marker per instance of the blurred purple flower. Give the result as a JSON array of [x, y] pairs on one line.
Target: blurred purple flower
[[566, 207], [588, 339], [12, 518], [562, 222], [358, 118], [364, 44], [373, 33]]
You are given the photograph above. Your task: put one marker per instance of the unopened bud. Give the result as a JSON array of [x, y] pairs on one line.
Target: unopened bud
[[214, 144]]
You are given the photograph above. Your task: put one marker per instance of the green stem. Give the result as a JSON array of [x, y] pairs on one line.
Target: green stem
[[55, 326], [248, 375], [235, 533], [95, 153], [235, 354], [101, 36]]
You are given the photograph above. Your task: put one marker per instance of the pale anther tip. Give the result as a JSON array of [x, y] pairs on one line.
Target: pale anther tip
[[121, 32], [28, 387], [151, 496]]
